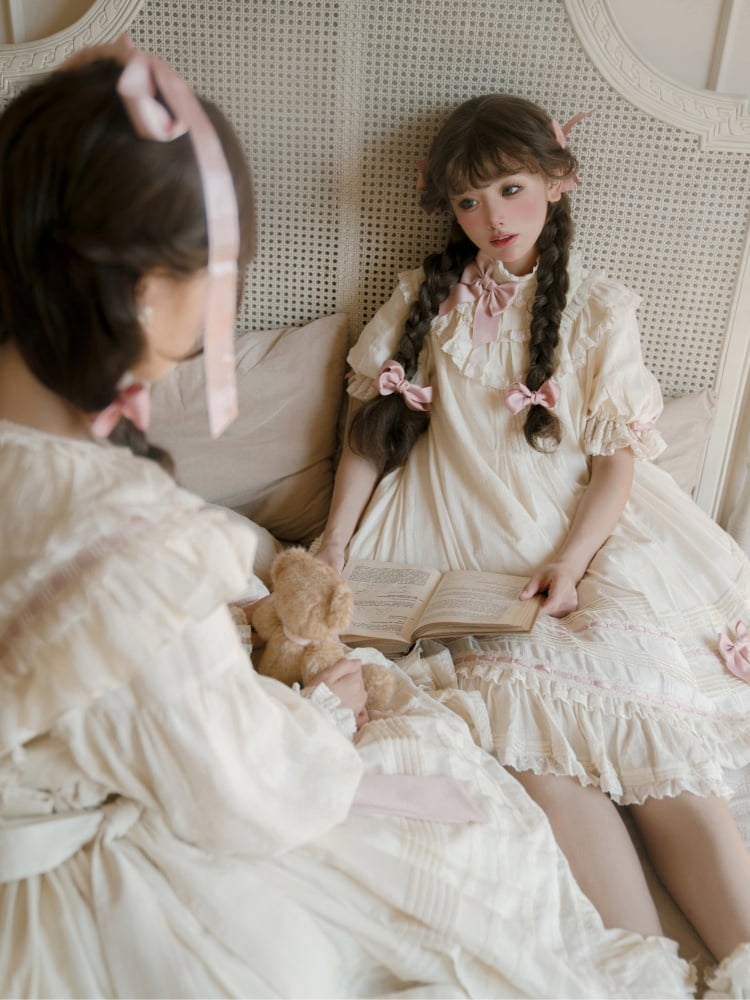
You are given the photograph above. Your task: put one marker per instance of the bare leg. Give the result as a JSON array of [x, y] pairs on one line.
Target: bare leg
[[599, 850], [698, 854]]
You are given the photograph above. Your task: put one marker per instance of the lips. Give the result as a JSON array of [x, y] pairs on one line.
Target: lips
[[502, 241]]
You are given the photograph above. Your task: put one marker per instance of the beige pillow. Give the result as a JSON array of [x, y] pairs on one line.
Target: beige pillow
[[275, 462], [685, 425]]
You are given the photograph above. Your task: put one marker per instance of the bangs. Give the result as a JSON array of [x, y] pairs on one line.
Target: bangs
[[474, 169]]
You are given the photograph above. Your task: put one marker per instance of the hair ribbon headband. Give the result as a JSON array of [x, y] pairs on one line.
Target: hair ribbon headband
[[142, 76]]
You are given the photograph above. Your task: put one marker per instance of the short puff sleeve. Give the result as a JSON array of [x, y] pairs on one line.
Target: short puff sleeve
[[623, 397], [380, 338]]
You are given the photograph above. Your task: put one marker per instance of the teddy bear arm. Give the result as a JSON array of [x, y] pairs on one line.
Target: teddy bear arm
[[264, 619]]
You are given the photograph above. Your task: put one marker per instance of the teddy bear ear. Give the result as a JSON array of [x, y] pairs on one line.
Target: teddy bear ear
[[284, 561], [340, 606]]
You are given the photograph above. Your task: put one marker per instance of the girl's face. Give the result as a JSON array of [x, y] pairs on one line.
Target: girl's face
[[505, 217], [173, 311]]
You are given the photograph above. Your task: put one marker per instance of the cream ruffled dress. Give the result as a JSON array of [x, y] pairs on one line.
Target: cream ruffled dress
[[630, 692], [174, 825]]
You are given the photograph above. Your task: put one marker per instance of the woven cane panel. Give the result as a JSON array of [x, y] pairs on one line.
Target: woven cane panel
[[336, 99]]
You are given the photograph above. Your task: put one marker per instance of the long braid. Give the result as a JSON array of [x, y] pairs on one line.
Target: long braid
[[385, 430], [542, 428]]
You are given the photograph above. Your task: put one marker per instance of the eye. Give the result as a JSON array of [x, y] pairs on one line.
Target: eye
[[510, 189], [465, 204]]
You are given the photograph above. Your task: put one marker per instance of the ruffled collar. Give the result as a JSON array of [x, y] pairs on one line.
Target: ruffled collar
[[505, 360], [525, 282], [498, 272]]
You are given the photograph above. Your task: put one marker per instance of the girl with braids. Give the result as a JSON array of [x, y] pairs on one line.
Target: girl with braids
[[503, 421], [149, 778]]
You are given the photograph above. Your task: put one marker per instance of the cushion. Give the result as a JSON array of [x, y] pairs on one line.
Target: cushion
[[267, 549], [274, 464], [685, 425]]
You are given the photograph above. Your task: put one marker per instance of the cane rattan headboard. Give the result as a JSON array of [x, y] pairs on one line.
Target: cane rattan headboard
[[335, 100]]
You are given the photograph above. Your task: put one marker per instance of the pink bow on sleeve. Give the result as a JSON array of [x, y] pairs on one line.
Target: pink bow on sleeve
[[133, 402], [736, 655], [519, 396], [391, 378]]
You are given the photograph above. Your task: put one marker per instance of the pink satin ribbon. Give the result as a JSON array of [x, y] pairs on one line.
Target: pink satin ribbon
[[298, 640], [133, 402], [736, 655], [561, 134], [138, 84], [391, 379], [430, 797], [491, 297], [639, 428], [519, 396]]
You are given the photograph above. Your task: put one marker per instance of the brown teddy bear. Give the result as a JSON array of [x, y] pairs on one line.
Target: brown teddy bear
[[309, 607]]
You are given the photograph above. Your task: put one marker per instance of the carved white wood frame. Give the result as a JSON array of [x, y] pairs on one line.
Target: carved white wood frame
[[721, 122], [104, 20]]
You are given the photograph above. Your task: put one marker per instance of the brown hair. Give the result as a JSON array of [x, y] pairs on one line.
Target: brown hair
[[484, 138], [88, 209]]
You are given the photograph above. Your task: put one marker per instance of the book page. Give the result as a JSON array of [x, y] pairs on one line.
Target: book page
[[388, 597], [469, 598]]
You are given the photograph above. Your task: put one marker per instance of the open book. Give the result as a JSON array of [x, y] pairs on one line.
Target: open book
[[395, 604]]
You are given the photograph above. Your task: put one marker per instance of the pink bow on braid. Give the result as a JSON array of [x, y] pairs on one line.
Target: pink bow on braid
[[391, 379], [138, 84], [491, 297], [561, 134], [519, 396], [736, 655], [133, 402]]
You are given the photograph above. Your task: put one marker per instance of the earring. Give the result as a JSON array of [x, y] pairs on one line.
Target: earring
[[144, 316]]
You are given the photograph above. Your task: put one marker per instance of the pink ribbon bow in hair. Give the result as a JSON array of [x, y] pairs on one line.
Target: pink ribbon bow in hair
[[736, 655], [133, 402], [492, 298], [519, 396], [561, 134], [138, 84], [391, 378]]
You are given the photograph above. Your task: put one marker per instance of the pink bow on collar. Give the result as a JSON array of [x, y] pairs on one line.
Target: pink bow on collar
[[561, 134], [134, 402], [736, 655], [491, 297], [143, 75], [391, 379], [519, 396]]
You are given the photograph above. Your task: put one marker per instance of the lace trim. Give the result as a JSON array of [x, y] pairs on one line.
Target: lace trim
[[604, 436], [691, 746], [731, 978], [486, 365], [330, 704]]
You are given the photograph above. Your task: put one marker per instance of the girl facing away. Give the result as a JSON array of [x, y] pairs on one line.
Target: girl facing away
[[503, 420], [172, 824]]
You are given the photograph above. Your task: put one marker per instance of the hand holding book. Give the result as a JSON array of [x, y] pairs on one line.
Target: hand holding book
[[395, 604]]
